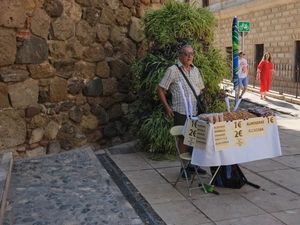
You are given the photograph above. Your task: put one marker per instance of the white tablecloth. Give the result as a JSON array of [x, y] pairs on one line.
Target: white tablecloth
[[259, 147]]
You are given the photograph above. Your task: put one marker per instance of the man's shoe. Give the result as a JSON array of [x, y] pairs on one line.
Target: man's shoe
[[187, 173], [199, 170]]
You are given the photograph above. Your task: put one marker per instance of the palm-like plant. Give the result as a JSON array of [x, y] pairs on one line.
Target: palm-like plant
[[166, 30]]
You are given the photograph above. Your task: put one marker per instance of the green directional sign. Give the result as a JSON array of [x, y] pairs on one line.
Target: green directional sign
[[244, 26]]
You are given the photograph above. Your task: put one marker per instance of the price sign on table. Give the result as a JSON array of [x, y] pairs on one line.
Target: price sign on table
[[256, 127], [201, 135], [190, 133], [221, 138], [270, 120], [238, 132]]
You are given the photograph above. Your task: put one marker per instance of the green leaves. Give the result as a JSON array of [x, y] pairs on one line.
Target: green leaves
[[179, 20], [166, 30]]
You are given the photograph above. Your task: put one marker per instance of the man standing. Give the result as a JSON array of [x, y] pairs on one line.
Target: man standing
[[243, 74], [169, 82]]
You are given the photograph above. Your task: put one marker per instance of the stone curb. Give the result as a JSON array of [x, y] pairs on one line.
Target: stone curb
[[5, 174]]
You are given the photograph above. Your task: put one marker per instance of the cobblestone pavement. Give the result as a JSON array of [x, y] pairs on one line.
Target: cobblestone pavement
[[70, 188]]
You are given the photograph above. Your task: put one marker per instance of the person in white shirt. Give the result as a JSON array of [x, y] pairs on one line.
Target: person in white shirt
[[243, 74]]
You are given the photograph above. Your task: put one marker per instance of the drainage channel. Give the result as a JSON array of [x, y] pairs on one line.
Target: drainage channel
[[138, 202]]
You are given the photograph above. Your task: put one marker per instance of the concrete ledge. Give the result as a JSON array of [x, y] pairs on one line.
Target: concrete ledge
[[5, 174]]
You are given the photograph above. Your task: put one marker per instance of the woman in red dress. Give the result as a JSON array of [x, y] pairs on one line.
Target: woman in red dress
[[265, 70]]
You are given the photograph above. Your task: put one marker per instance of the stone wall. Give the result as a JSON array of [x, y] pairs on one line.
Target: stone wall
[[63, 66]]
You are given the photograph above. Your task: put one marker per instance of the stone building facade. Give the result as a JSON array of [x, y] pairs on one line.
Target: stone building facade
[[274, 27], [63, 66]]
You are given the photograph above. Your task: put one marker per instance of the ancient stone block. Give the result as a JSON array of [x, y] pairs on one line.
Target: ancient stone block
[[4, 103], [66, 144], [110, 130], [93, 88], [84, 2], [102, 32], [116, 36], [32, 49], [73, 10], [128, 3], [124, 85], [103, 117], [37, 135], [85, 33], [51, 130], [146, 2], [24, 93], [89, 124], [65, 68], [12, 128], [63, 28], [66, 105], [107, 16], [123, 15], [108, 101], [33, 110], [40, 23], [39, 71], [33, 4], [110, 86], [12, 75], [118, 68], [115, 111], [113, 4], [84, 70], [8, 47], [13, 13], [127, 50], [74, 49], [135, 31], [94, 53], [53, 147], [38, 121], [38, 151], [75, 114], [58, 90], [92, 16], [54, 8], [102, 70], [94, 137], [57, 50], [75, 86], [86, 109]]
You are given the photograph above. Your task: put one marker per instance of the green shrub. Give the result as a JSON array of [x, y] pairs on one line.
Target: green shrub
[[166, 30]]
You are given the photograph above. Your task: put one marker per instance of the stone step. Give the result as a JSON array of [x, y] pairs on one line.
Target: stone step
[[6, 162]]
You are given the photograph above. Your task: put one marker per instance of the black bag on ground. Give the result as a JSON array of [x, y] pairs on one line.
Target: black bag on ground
[[229, 176]]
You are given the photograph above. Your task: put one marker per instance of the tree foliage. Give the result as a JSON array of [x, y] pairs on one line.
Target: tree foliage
[[166, 30]]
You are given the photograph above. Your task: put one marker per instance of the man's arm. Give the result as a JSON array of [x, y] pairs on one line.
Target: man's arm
[[162, 97]]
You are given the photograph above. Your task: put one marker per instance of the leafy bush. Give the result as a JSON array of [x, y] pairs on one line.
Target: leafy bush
[[166, 30]]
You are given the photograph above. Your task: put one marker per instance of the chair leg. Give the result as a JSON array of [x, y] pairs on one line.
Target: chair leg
[[199, 178], [184, 167], [178, 177]]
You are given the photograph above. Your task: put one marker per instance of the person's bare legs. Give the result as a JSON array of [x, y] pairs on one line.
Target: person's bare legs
[[265, 95], [243, 92]]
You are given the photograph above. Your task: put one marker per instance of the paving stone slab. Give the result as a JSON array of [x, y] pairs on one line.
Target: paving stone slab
[[66, 188]]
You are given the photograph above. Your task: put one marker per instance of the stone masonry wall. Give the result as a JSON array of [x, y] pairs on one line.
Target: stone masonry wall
[[63, 66]]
